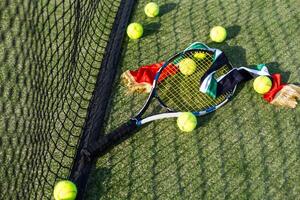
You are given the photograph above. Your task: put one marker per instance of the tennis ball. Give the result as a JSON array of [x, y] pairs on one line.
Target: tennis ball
[[262, 84], [135, 30], [218, 34], [199, 55], [151, 9], [187, 121], [187, 66], [65, 190]]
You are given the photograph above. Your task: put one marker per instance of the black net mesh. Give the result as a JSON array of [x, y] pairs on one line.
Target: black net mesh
[[50, 55]]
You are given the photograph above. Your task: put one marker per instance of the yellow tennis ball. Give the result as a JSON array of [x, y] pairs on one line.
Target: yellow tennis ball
[[135, 30], [151, 9], [200, 55], [65, 190], [218, 34], [262, 84], [187, 66], [187, 121]]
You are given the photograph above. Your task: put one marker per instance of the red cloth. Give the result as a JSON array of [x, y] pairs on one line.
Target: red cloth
[[141, 80], [276, 87], [146, 74]]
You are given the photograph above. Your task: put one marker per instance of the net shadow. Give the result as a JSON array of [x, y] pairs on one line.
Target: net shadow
[[243, 150]]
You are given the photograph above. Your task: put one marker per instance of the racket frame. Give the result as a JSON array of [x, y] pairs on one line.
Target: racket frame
[[170, 113]]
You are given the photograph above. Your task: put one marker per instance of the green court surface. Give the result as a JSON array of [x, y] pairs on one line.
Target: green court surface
[[248, 149]]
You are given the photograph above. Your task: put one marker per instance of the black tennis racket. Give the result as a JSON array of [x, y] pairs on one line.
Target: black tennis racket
[[176, 92]]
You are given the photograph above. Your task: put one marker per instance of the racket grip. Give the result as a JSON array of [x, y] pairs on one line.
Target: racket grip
[[110, 140]]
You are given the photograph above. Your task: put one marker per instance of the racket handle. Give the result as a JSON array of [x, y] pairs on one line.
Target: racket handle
[[110, 140]]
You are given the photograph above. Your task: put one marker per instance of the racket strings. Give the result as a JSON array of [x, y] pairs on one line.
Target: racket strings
[[184, 98], [168, 98], [181, 92], [183, 85]]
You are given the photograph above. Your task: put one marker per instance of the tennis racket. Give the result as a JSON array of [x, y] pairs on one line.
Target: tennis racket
[[176, 92]]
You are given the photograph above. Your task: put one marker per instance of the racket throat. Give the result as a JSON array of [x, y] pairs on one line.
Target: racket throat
[[158, 117]]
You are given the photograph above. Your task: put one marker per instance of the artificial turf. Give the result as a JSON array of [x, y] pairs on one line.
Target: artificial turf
[[248, 149]]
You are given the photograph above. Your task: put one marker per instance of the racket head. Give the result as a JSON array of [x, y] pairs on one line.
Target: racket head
[[179, 92]]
